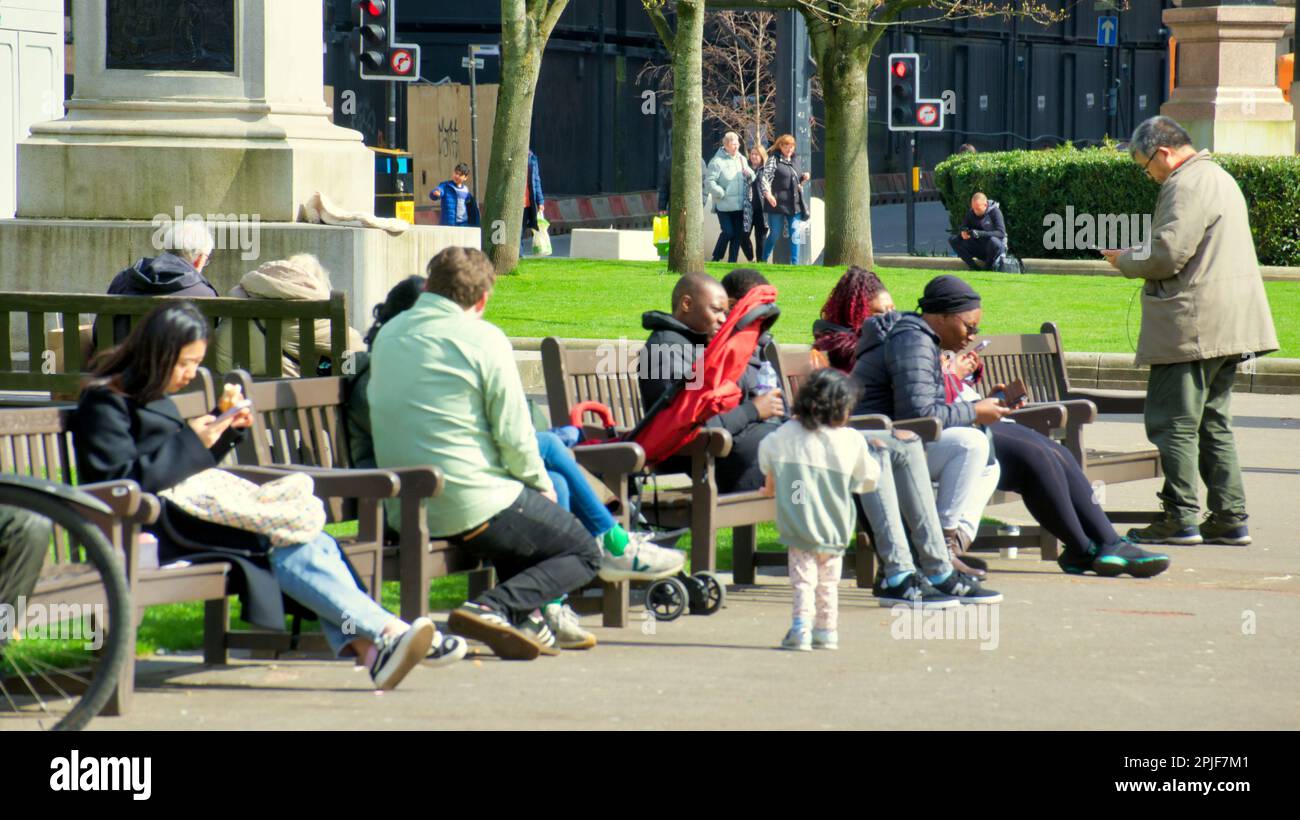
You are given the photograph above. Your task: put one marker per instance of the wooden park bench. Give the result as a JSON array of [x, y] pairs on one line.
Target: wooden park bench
[[1039, 360], [303, 422], [57, 358], [609, 376], [1045, 418], [38, 442]]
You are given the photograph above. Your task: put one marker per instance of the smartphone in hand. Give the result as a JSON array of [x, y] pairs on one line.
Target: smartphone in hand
[[1013, 395], [234, 409]]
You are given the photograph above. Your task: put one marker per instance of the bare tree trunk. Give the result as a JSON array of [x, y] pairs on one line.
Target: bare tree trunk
[[526, 25], [685, 207], [842, 58]]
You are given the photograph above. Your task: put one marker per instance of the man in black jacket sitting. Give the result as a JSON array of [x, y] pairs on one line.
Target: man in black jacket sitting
[[983, 235], [178, 271], [700, 307]]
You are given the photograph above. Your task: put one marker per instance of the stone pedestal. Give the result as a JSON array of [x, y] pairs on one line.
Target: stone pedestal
[[214, 107], [1227, 95]]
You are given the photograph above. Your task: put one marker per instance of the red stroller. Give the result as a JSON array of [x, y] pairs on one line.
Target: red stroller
[[675, 420]]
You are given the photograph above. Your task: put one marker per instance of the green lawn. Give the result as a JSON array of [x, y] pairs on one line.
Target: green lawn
[[599, 299]]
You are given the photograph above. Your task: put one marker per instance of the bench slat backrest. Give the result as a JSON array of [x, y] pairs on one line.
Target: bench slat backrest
[[245, 316], [1035, 358], [607, 374], [297, 421]]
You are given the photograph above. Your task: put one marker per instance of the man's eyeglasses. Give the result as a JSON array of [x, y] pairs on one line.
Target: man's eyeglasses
[[1146, 169], [971, 330]]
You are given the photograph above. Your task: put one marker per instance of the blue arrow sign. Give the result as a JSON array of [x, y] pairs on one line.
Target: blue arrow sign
[[1107, 31]]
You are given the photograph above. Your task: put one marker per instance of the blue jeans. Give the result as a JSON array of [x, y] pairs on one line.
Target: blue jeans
[[315, 575], [903, 495], [571, 489], [776, 225]]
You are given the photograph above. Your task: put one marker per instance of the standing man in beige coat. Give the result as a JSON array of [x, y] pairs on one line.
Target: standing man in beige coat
[[1204, 311]]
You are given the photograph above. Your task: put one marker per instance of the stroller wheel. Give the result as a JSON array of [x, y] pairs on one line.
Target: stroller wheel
[[667, 599], [714, 595]]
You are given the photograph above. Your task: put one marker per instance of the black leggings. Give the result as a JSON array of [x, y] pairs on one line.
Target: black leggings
[[1053, 486]]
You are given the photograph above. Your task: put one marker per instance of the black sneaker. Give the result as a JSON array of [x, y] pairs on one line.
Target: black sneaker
[[1126, 557], [967, 590], [1074, 563], [483, 623], [535, 626], [913, 591], [399, 655], [446, 650]]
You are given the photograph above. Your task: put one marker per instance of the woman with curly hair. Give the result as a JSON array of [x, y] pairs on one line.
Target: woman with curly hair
[[857, 297]]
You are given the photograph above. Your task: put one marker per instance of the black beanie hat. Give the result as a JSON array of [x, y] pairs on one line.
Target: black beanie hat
[[948, 294]]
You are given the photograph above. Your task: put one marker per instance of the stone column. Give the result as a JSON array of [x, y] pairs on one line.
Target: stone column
[[210, 106], [1227, 95]]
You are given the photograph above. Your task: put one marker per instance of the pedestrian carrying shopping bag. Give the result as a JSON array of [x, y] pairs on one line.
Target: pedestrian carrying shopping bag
[[661, 236], [542, 239]]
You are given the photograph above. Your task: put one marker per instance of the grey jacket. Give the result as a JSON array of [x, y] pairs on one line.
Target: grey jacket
[[1204, 297], [901, 376]]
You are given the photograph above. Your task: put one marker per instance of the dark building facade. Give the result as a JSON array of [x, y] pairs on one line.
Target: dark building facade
[[1015, 84]]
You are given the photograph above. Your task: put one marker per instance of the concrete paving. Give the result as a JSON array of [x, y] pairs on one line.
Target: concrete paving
[[1211, 644]]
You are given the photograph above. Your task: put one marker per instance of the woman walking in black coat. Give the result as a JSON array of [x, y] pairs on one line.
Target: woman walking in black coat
[[783, 197], [754, 220], [127, 427]]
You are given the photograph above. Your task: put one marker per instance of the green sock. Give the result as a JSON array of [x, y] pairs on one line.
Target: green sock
[[615, 541]]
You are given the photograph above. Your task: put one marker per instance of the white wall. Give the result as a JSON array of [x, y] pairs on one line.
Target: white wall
[[31, 80]]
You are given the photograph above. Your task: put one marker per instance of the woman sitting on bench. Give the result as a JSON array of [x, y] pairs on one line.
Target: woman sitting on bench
[[127, 427], [900, 366]]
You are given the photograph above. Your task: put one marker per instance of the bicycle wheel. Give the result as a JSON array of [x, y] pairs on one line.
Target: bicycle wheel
[[72, 633]]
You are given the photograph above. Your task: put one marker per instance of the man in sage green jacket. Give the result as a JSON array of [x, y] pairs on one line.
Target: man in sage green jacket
[[1204, 312], [445, 389]]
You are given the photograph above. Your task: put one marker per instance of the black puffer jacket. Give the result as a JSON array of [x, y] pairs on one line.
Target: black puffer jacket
[[670, 355], [899, 369]]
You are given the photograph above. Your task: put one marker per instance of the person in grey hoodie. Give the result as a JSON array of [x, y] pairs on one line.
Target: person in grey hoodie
[[727, 180], [983, 235], [177, 271]]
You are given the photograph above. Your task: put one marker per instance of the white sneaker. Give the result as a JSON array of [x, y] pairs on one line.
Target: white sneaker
[[798, 640], [566, 627], [642, 560], [825, 639]]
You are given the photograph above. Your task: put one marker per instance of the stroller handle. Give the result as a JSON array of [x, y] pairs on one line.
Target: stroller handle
[[582, 408]]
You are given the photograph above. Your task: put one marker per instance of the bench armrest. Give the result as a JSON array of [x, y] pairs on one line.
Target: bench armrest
[[611, 459], [329, 482], [418, 482], [874, 421], [1130, 402], [712, 441], [1043, 418], [927, 428]]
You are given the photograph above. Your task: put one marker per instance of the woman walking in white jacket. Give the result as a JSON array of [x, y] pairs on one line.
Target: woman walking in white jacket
[[727, 179]]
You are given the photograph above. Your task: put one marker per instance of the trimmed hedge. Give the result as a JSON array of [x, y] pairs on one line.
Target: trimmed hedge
[[1030, 185]]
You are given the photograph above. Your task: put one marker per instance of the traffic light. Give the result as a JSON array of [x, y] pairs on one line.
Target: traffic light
[[372, 41], [908, 111]]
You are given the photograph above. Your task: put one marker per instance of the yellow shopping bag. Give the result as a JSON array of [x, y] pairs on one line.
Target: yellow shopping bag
[[661, 236]]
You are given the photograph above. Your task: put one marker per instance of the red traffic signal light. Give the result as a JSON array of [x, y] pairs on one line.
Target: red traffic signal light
[[900, 69], [375, 8]]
